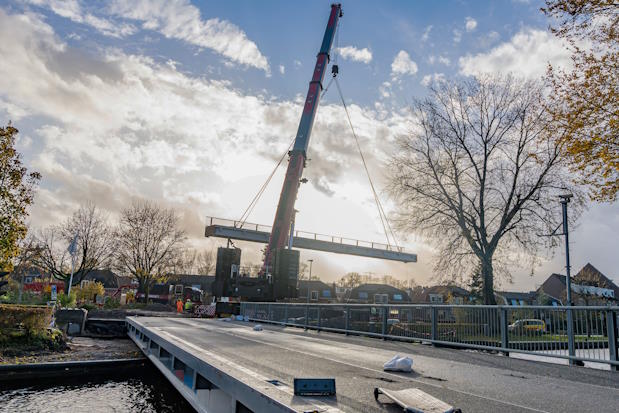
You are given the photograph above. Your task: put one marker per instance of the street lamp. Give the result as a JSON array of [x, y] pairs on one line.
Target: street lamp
[[309, 279], [565, 199]]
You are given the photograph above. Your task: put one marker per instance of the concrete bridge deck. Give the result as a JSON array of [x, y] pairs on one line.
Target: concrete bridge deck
[[470, 380]]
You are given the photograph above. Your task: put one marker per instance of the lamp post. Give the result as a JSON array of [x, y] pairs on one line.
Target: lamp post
[[309, 279], [565, 199]]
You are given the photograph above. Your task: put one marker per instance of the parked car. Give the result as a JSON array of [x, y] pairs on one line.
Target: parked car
[[534, 326]]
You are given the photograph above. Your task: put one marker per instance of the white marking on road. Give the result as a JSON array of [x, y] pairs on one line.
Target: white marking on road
[[243, 336]]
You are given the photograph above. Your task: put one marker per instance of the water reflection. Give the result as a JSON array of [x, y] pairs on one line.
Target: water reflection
[[142, 390]]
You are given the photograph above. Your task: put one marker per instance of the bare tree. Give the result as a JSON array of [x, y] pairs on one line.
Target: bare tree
[[94, 245], [479, 175], [149, 240], [185, 261], [205, 262]]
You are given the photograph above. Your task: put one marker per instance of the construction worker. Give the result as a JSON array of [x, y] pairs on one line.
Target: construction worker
[[188, 305], [179, 306]]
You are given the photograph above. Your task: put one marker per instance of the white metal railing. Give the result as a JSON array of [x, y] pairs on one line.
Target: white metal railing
[[538, 330], [304, 234]]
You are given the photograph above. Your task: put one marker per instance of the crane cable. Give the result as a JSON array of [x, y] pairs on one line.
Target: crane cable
[[256, 198], [381, 212]]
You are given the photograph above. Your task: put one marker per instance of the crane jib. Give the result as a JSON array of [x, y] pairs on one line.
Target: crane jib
[[285, 207]]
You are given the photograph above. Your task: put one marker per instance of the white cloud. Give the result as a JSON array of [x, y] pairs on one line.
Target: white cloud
[[433, 78], [457, 35], [73, 10], [470, 24], [181, 20], [426, 33], [357, 55], [282, 69], [403, 65], [117, 126], [527, 53], [444, 60]]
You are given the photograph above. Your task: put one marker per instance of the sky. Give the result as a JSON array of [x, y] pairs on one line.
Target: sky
[[191, 104]]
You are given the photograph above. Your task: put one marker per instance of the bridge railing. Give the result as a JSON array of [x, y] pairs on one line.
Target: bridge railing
[[304, 234], [541, 331]]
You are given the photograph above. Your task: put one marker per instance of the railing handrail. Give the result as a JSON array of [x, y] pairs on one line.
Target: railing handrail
[[410, 305], [247, 226]]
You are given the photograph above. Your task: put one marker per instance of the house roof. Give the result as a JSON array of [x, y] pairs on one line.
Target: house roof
[[372, 289], [589, 275], [422, 295]]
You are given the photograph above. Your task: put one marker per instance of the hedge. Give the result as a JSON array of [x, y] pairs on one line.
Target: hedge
[[33, 319]]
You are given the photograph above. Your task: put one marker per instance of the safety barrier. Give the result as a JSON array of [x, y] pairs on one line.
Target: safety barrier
[[539, 330]]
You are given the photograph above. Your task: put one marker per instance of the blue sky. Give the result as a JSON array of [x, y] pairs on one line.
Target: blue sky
[[189, 104]]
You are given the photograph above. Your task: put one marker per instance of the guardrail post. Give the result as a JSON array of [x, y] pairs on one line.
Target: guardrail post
[[306, 315], [347, 321], [285, 314], [570, 335], [385, 316], [611, 329], [319, 318], [434, 321], [504, 330]]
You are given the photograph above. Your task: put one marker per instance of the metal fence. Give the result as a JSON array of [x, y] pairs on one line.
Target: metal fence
[[577, 334]]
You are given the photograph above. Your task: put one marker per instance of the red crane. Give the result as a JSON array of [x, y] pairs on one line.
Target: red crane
[[284, 215]]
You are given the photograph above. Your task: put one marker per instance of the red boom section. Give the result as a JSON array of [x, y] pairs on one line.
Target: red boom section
[[285, 208]]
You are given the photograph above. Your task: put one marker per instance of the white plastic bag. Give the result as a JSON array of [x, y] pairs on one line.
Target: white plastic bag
[[397, 363], [257, 327]]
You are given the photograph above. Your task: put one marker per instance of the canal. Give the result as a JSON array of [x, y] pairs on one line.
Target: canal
[[144, 389]]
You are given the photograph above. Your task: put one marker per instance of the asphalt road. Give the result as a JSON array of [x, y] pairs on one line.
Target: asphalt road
[[470, 380]]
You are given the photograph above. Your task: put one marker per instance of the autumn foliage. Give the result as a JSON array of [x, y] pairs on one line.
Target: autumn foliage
[[585, 99]]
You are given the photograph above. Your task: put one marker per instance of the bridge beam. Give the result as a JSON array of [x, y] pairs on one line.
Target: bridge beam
[[243, 234]]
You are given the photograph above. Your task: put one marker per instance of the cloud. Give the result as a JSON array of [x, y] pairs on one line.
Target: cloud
[[433, 78], [356, 55], [470, 24], [179, 19], [403, 65], [126, 123], [73, 10], [457, 35], [444, 60], [527, 53], [282, 69], [426, 33]]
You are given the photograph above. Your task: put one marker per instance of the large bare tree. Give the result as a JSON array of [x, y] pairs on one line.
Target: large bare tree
[[94, 245], [479, 175], [149, 241]]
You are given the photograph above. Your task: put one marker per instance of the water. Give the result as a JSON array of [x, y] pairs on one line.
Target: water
[[142, 390]]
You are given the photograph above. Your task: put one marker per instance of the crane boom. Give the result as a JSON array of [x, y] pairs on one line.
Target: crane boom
[[285, 208]]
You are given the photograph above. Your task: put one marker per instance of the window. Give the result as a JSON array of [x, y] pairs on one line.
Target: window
[[326, 293], [314, 295], [436, 298], [397, 297], [363, 295]]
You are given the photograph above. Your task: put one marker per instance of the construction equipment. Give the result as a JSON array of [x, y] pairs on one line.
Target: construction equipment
[[276, 255], [278, 277]]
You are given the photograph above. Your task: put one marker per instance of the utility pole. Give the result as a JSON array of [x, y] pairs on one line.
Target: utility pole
[[565, 199], [311, 262]]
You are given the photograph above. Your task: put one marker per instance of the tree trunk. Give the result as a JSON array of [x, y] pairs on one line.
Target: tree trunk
[[487, 276], [146, 291]]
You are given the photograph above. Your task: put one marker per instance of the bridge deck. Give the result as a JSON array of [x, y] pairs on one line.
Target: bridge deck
[[472, 381], [336, 245]]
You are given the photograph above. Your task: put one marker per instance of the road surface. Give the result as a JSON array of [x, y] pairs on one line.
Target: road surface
[[470, 380]]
